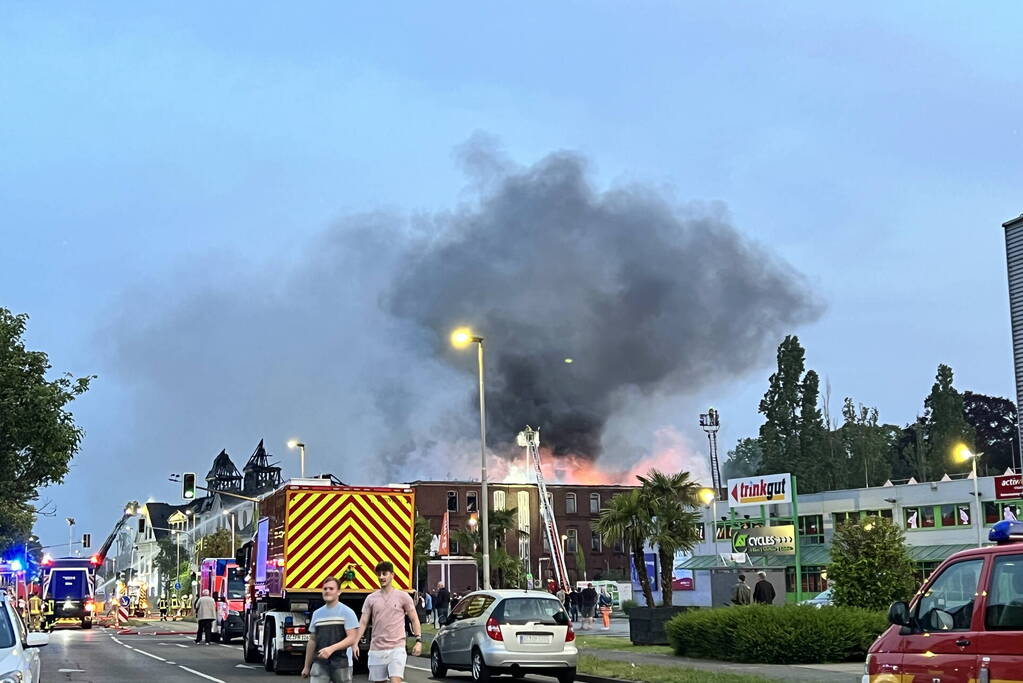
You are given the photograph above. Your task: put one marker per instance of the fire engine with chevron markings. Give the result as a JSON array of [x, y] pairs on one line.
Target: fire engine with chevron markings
[[308, 530]]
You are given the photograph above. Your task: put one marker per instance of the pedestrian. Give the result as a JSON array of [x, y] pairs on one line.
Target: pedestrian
[[561, 596], [333, 629], [763, 592], [742, 594], [205, 614], [588, 600], [428, 601], [386, 610], [441, 604], [573, 603], [35, 612], [605, 603], [161, 605]]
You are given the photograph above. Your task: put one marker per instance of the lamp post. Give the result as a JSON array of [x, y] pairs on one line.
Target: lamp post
[[710, 499], [70, 532], [963, 453], [295, 443], [231, 515], [460, 339]]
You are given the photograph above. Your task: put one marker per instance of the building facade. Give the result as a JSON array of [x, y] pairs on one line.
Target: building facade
[[576, 509], [1014, 265]]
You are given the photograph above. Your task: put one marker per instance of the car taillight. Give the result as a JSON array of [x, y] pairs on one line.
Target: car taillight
[[494, 629], [294, 629], [570, 633]]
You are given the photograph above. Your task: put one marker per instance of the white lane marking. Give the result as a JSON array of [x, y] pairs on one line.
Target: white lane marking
[[199, 673], [417, 668], [149, 655], [180, 645], [233, 647], [71, 671], [245, 666]]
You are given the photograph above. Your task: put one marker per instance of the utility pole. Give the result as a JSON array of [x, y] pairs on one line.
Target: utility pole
[[70, 533]]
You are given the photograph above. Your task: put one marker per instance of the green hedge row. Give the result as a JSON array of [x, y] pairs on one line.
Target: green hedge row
[[788, 634]]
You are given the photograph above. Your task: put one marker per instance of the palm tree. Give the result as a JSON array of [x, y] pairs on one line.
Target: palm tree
[[670, 500], [626, 520]]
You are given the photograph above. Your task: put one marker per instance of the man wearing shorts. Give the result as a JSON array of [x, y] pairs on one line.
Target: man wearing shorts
[[386, 610], [333, 629]]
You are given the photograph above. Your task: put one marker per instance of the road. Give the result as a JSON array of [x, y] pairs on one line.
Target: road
[[100, 656]]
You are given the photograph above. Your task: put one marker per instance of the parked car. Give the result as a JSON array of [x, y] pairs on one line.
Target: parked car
[[514, 632], [820, 600], [19, 656]]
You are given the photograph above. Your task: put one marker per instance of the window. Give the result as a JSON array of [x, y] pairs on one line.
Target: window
[[572, 544], [477, 605], [500, 500], [596, 545], [452, 543], [811, 529], [938, 516], [813, 580], [452, 501], [471, 498], [550, 502], [569, 503], [594, 503], [700, 532], [923, 570], [723, 532], [1005, 598], [995, 512], [840, 518], [919, 518], [955, 514], [948, 603], [522, 611]]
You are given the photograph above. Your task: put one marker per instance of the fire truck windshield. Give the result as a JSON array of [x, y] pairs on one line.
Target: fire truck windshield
[[235, 583]]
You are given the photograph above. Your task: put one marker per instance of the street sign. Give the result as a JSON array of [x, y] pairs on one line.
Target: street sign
[[177, 585], [765, 540], [1009, 487], [769, 489]]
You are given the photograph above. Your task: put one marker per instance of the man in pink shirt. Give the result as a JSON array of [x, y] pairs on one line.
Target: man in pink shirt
[[386, 610]]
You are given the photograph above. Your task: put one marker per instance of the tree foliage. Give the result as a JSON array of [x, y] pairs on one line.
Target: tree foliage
[[745, 460], [993, 420], [172, 562], [38, 435], [506, 571], [626, 519], [670, 502], [946, 426], [870, 564], [217, 544], [421, 542]]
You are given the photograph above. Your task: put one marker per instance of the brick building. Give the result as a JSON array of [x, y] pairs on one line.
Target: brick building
[[576, 508]]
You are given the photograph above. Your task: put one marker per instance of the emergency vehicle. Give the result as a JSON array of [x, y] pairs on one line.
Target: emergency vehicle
[[310, 529], [225, 581], [69, 584], [964, 625]]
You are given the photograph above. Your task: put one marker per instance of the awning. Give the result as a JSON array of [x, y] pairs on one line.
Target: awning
[[935, 553], [820, 556]]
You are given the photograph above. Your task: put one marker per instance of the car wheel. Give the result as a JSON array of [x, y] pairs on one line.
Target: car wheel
[[480, 670], [268, 653], [567, 676], [86, 624], [437, 668], [249, 653]]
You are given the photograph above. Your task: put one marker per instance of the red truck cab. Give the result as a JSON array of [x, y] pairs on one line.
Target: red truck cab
[[964, 625], [226, 583]]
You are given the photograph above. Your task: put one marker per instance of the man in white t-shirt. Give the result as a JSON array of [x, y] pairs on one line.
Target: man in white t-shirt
[[333, 629], [386, 610]]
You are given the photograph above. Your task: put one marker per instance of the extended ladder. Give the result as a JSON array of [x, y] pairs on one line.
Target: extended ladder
[[530, 439]]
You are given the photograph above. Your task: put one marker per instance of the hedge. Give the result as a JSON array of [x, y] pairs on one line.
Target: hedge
[[788, 634]]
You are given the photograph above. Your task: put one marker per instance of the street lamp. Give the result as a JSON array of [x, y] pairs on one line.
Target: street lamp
[[460, 339], [70, 532], [295, 443], [231, 515], [710, 499], [963, 453]]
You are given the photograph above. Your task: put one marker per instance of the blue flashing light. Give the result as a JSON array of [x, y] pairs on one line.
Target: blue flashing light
[[1006, 531], [16, 566]]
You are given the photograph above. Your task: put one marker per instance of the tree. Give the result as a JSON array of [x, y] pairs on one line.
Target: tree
[[781, 405], [812, 465], [946, 426], [168, 564], [670, 501], [505, 569], [993, 420], [217, 544], [868, 446], [745, 460], [38, 435], [627, 519], [870, 565], [423, 538]]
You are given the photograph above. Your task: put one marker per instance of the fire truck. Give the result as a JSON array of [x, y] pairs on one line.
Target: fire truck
[[69, 584], [308, 530], [225, 581]]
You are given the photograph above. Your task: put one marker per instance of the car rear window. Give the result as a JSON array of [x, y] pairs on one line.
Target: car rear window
[[517, 611], [6, 628]]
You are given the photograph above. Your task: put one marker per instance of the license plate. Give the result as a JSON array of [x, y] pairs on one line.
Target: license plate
[[296, 637], [535, 639]]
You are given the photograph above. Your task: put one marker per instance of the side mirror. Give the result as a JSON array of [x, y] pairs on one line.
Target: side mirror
[[37, 639], [898, 614]]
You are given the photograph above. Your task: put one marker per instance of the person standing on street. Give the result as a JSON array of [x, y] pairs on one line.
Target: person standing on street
[[605, 604], [205, 614], [386, 609], [742, 594], [161, 605], [333, 629], [35, 612], [588, 600], [573, 603], [441, 604], [763, 592]]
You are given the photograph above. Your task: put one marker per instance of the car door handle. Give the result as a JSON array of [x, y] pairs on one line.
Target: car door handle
[[963, 642]]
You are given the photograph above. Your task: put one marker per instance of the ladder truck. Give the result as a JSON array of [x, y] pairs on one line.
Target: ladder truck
[[529, 439]]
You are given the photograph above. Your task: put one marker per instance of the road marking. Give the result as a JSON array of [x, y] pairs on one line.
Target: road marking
[[245, 666], [230, 646], [149, 655], [417, 668], [180, 645], [71, 671], [199, 673]]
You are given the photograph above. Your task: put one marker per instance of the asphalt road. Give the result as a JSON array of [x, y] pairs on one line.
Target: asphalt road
[[100, 656]]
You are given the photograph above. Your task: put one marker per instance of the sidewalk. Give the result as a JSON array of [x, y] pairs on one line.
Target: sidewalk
[[816, 673]]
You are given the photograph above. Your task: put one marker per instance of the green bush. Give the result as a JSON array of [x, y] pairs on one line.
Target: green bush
[[765, 634], [628, 604]]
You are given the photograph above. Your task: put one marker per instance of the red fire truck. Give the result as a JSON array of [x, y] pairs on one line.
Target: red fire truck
[[225, 581]]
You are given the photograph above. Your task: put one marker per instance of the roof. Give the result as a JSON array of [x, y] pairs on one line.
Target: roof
[[820, 556], [1013, 221], [158, 514]]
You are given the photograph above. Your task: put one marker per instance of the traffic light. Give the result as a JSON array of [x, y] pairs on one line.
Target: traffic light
[[188, 485], [86, 540]]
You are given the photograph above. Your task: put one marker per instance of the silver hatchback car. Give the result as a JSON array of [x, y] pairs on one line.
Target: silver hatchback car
[[513, 632]]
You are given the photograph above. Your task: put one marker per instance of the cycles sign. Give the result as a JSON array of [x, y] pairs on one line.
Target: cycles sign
[[765, 540], [766, 490]]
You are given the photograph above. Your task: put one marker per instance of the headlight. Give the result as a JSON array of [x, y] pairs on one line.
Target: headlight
[[12, 677]]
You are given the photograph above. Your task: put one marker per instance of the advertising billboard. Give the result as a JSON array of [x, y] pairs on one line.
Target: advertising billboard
[[765, 540], [1009, 487], [769, 489]]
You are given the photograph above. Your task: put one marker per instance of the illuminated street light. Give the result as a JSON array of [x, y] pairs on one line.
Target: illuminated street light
[[962, 453], [295, 443], [707, 496], [460, 339]]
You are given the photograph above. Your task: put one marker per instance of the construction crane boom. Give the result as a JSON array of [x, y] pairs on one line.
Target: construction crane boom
[[529, 438]]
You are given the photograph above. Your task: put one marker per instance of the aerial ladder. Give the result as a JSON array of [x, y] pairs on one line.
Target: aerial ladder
[[529, 439]]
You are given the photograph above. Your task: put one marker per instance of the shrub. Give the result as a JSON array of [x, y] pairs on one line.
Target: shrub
[[766, 634], [628, 604], [870, 565]]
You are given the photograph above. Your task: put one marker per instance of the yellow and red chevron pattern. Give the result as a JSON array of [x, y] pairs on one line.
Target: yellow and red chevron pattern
[[345, 534]]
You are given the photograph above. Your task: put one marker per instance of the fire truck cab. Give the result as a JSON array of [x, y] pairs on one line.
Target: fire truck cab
[[225, 581], [965, 624]]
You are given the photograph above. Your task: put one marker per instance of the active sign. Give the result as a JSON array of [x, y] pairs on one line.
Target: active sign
[[766, 490], [1009, 487], [765, 540]]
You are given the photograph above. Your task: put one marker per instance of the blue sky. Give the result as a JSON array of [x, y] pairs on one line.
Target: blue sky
[[152, 150]]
